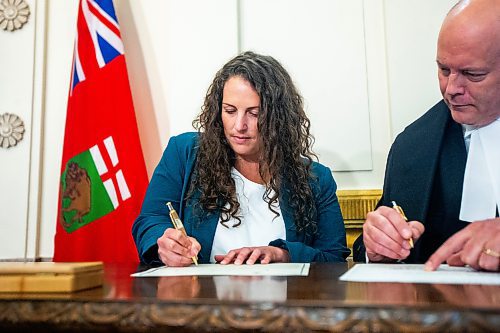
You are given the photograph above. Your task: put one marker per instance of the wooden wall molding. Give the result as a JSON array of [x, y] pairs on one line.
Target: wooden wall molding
[[355, 204]]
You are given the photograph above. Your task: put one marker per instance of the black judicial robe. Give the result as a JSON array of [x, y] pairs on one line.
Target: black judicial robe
[[424, 175]]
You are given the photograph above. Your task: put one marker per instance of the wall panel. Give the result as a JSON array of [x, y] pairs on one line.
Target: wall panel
[[322, 44], [17, 58]]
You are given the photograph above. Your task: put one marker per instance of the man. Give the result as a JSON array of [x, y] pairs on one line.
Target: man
[[444, 169]]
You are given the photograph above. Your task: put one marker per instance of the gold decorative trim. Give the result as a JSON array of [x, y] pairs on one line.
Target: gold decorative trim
[[13, 14], [355, 204]]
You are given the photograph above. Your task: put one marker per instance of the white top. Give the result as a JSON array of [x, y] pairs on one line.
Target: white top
[[259, 226], [481, 190]]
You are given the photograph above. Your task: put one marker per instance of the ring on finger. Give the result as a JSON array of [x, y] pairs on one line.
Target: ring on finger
[[492, 253]]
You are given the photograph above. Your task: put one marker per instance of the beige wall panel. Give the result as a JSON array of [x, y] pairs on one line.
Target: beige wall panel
[[412, 28], [16, 97], [322, 44]]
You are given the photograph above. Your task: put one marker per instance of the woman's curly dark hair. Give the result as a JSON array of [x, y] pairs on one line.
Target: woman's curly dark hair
[[285, 157]]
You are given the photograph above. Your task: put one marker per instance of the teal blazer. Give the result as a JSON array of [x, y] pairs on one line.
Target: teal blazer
[[171, 180]]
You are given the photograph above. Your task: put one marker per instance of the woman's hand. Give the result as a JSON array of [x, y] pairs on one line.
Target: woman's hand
[[176, 249], [250, 255]]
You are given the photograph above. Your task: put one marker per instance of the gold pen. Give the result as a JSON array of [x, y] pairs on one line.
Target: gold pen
[[400, 211], [176, 221]]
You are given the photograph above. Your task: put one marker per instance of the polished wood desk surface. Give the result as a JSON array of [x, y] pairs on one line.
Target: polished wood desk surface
[[318, 302]]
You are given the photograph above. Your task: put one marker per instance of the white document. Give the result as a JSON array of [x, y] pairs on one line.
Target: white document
[[406, 273], [278, 269]]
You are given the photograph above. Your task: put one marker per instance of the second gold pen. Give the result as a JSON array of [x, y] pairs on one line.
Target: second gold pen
[[400, 211], [176, 221]]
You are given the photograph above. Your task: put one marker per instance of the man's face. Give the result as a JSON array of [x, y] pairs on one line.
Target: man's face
[[469, 73]]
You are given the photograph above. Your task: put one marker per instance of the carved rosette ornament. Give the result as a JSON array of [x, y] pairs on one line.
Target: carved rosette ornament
[[11, 130], [13, 14]]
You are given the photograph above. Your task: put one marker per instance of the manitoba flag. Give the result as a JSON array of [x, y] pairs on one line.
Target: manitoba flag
[[103, 175]]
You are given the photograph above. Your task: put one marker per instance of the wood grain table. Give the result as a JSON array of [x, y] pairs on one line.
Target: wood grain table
[[316, 303]]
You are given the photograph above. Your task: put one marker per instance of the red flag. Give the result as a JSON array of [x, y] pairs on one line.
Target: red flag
[[103, 175]]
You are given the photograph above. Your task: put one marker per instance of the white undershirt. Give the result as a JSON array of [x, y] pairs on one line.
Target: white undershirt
[[259, 225], [481, 188]]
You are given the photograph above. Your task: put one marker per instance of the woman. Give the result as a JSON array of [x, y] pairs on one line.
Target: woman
[[245, 184]]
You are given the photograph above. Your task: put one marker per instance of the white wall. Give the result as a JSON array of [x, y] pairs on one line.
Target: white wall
[[412, 27], [174, 47], [21, 94], [326, 56]]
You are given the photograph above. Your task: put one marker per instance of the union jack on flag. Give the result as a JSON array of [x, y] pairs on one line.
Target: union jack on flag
[[103, 174], [97, 41]]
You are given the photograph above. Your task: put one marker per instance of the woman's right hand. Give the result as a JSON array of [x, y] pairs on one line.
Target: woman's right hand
[[176, 249]]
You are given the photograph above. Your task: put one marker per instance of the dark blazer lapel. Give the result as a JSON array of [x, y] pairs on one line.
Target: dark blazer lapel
[[416, 166], [430, 150], [453, 158], [202, 228], [201, 225], [204, 232], [288, 218], [191, 153]]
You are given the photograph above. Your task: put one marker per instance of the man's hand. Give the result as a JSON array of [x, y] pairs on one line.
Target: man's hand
[[176, 249], [250, 255], [477, 245], [386, 235]]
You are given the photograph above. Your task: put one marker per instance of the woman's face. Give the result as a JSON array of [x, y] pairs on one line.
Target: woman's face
[[240, 112]]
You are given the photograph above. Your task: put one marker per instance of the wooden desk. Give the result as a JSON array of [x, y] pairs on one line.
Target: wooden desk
[[318, 303]]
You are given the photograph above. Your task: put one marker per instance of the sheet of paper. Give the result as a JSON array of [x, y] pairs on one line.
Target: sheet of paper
[[278, 269], [406, 273]]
